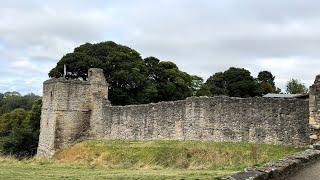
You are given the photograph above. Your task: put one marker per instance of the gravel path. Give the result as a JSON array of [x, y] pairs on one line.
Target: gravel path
[[311, 172]]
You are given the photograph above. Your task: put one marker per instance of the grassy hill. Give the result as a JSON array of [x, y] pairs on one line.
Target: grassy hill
[[145, 160]]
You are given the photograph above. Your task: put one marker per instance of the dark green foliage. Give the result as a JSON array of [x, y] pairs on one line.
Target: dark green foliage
[[123, 67], [294, 86], [1, 97], [266, 76], [216, 84], [240, 83], [19, 129], [35, 116], [170, 83], [13, 120], [132, 80], [266, 81], [204, 91], [236, 82], [21, 143], [13, 100], [278, 90]]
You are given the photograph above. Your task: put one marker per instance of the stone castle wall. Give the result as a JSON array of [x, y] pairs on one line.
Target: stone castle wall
[[314, 99], [71, 110], [74, 110], [65, 113], [262, 120], [314, 108]]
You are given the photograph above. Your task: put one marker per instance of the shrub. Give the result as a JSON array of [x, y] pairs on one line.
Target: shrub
[[21, 143]]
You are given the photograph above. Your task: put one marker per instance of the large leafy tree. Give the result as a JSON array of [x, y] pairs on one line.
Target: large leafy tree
[[236, 82], [240, 83], [169, 82], [294, 86], [123, 67], [132, 80], [266, 81], [216, 84]]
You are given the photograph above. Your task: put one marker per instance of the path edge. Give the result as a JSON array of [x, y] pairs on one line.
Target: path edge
[[282, 168]]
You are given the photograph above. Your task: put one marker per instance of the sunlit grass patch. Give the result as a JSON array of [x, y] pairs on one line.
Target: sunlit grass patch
[[172, 154], [144, 160]]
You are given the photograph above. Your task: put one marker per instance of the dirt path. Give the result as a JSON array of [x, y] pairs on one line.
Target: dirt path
[[311, 172]]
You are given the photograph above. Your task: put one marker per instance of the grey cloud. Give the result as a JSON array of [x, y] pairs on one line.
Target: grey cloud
[[202, 37]]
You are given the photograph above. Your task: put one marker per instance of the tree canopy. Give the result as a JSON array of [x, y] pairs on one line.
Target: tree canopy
[[266, 81], [20, 123], [236, 82], [13, 100], [294, 86], [132, 80]]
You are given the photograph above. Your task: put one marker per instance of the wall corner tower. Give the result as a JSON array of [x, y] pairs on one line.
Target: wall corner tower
[[314, 102], [99, 98], [72, 110]]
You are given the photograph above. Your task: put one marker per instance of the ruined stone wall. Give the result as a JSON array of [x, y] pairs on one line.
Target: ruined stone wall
[[74, 110], [314, 102], [65, 113], [262, 120], [71, 110], [314, 108]]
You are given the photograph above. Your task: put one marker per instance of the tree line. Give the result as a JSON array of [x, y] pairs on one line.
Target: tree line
[[19, 123], [132, 80]]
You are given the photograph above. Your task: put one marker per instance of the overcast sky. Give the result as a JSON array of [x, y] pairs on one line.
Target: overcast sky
[[202, 37]]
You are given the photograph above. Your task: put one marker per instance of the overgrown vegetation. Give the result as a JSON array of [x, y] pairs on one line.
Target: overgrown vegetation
[[19, 124], [145, 160], [172, 154], [10, 101]]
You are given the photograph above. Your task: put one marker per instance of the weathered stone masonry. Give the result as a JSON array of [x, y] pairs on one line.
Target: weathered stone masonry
[[314, 108], [314, 99], [74, 110], [71, 110]]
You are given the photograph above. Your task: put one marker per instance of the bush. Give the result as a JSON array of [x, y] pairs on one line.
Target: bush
[[17, 118], [21, 143], [19, 131]]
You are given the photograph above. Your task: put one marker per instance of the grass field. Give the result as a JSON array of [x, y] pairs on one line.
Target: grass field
[[145, 160]]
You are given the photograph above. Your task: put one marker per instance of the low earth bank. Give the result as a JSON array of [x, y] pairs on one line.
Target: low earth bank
[[146, 160]]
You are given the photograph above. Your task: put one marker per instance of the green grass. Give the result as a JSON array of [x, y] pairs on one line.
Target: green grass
[[145, 160], [37, 170]]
